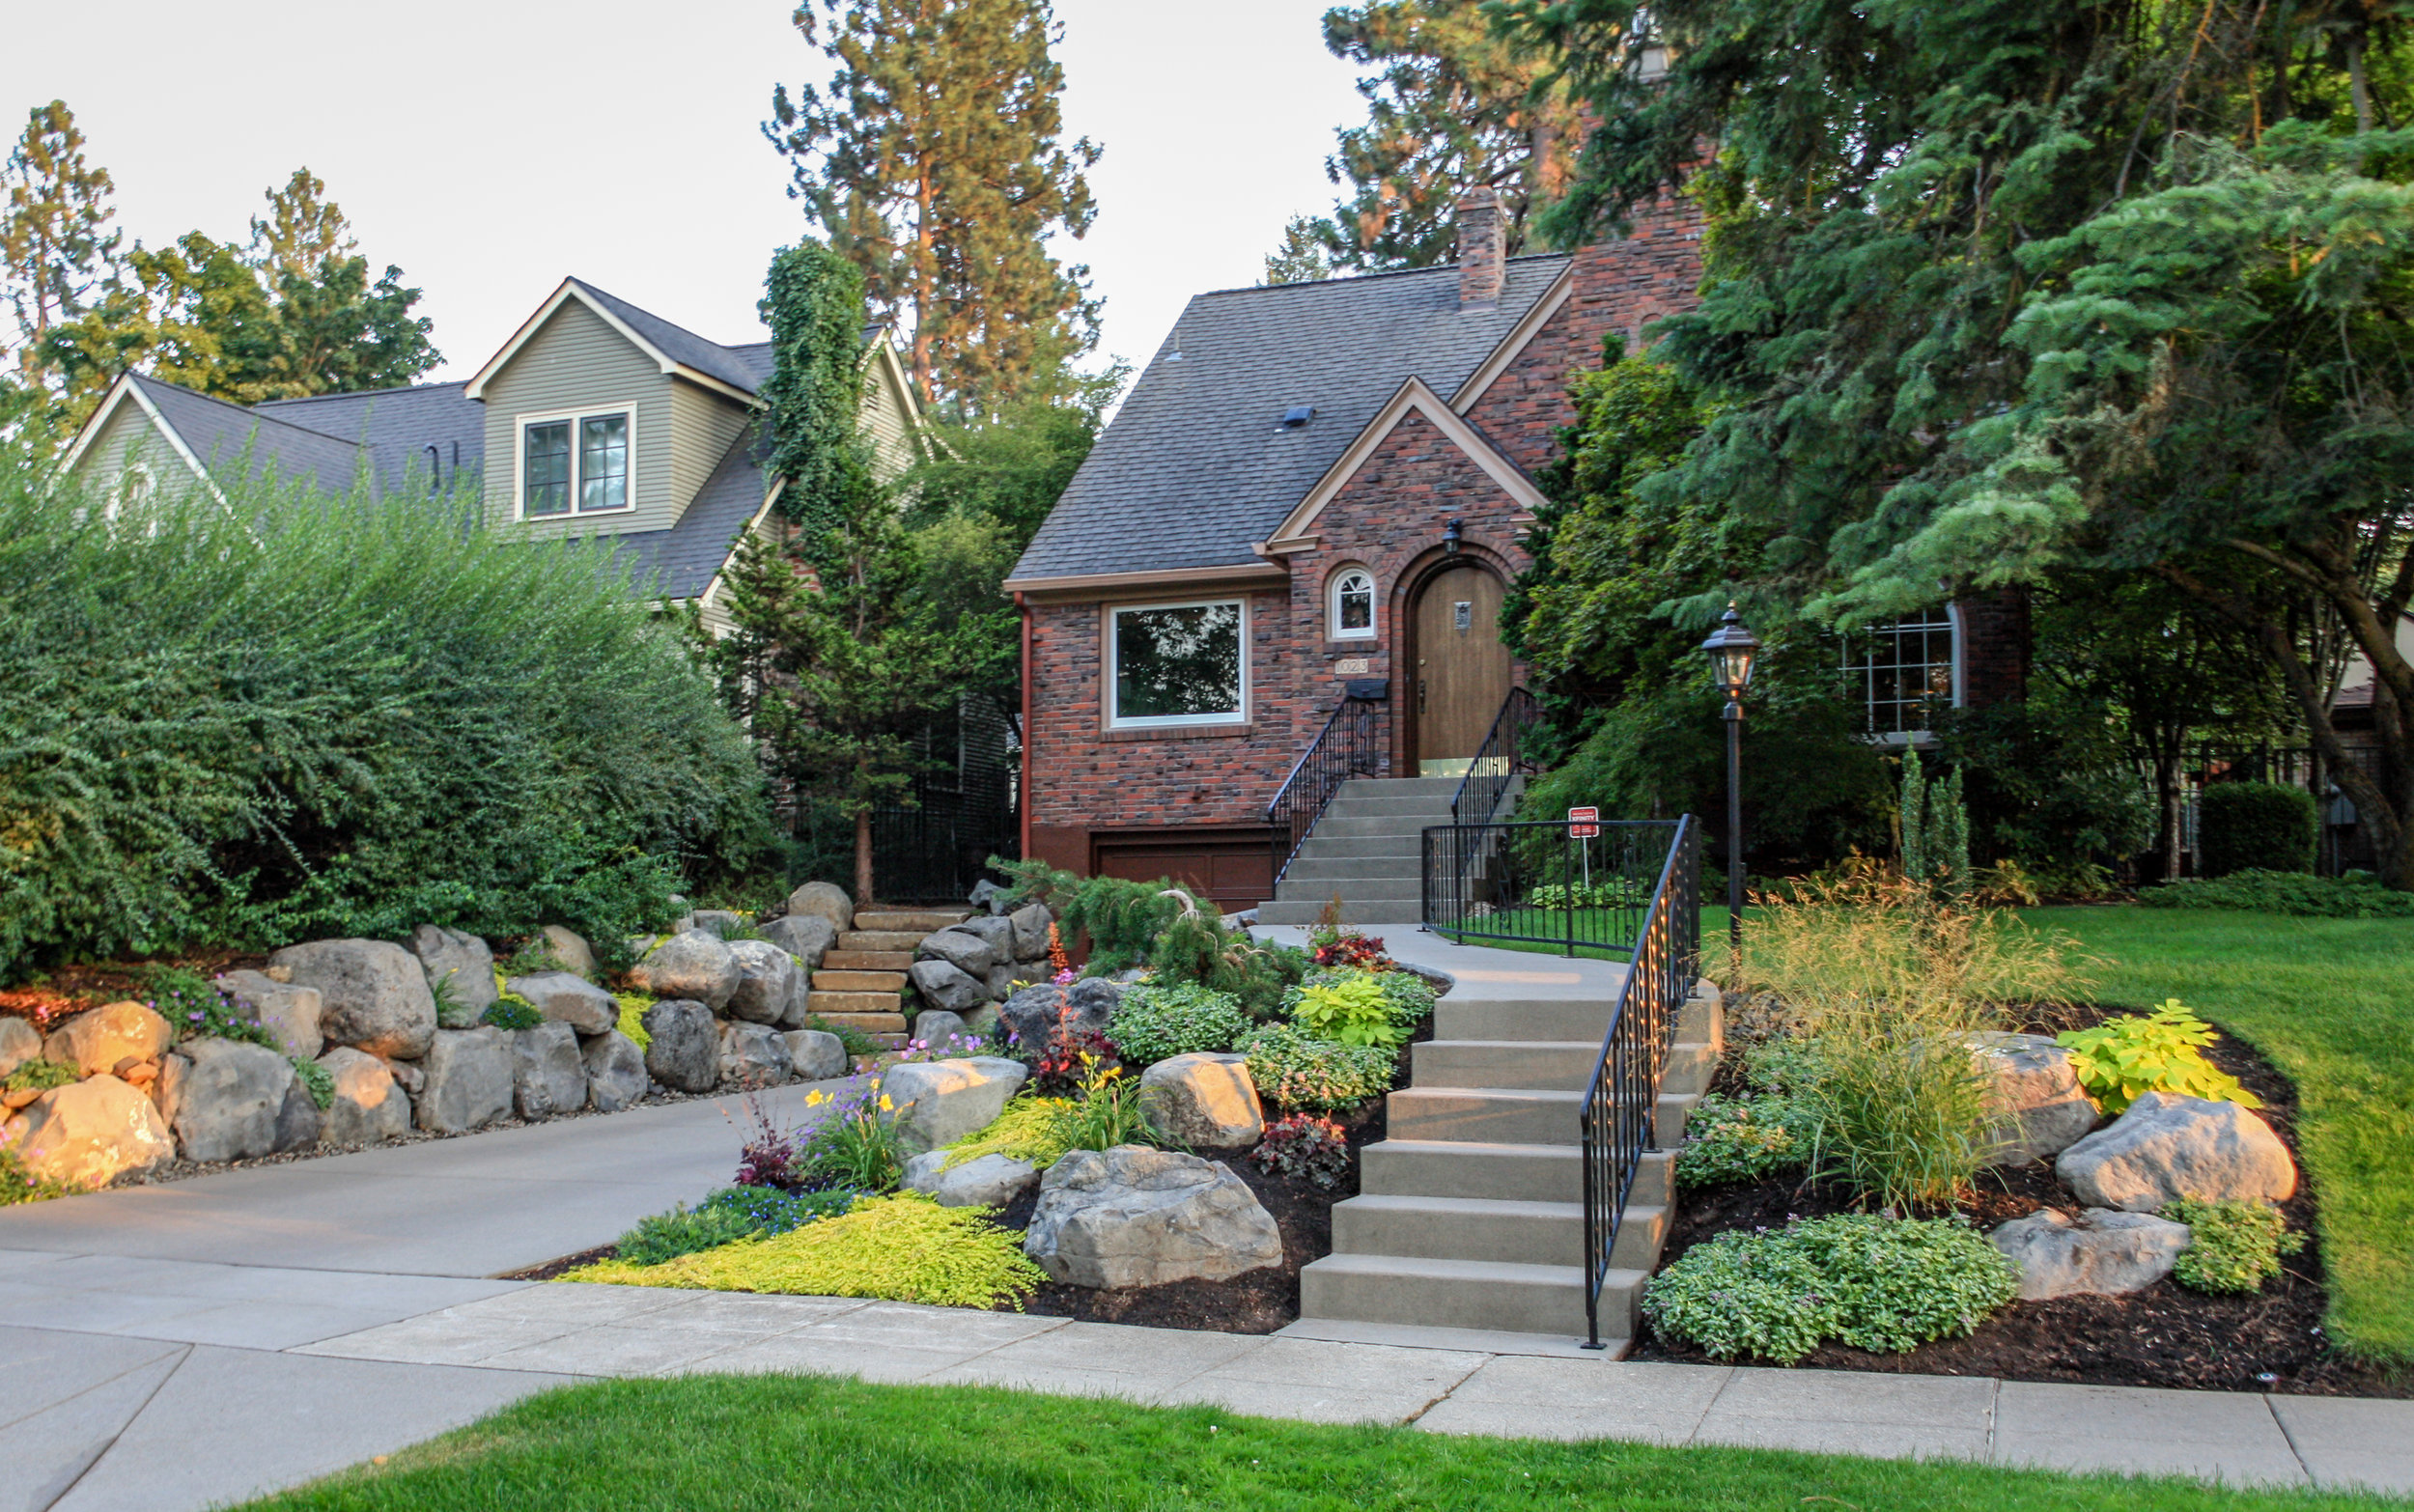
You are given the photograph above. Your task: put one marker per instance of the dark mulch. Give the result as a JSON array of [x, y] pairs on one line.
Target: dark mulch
[[2165, 1335]]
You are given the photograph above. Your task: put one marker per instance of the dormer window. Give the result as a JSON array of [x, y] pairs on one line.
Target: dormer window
[[574, 464], [1353, 609]]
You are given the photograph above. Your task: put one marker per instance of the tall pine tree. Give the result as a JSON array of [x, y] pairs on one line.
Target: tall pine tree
[[934, 161], [59, 252]]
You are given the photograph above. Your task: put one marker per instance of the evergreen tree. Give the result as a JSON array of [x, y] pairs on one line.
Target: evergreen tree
[[1300, 258], [1999, 288], [935, 162], [58, 250]]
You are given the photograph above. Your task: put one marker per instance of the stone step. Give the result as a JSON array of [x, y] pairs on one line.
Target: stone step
[[1399, 913], [882, 939], [828, 1004], [1490, 1228], [901, 921], [1488, 1115], [1547, 1065], [844, 981], [875, 1024], [1465, 1294], [867, 961]]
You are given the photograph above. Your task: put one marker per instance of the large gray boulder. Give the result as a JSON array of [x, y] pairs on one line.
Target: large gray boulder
[[997, 983], [19, 1043], [693, 966], [2166, 1147], [89, 1133], [933, 1028], [1030, 931], [461, 959], [807, 936], [569, 998], [683, 1050], [548, 1074], [817, 1054], [369, 1105], [569, 948], [994, 933], [2102, 1250], [988, 1181], [945, 985], [1204, 1102], [1037, 1014], [289, 1014], [826, 900], [754, 1055], [937, 1101], [469, 1082], [968, 953], [616, 1076], [375, 993], [300, 1122], [2036, 1107], [1136, 1216], [987, 897], [767, 981], [227, 1106], [95, 1039]]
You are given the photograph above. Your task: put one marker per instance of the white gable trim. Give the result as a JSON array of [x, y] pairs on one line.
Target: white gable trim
[[1414, 397], [125, 387], [569, 290], [1519, 334]]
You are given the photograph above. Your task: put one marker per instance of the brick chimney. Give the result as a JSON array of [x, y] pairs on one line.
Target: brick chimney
[[1479, 248]]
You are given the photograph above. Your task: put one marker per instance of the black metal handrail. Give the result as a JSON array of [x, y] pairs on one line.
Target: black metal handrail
[[1499, 761], [1619, 1103], [1539, 882], [1350, 745]]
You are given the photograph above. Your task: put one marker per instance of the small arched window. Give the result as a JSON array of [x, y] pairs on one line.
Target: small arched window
[[1352, 615], [133, 490]]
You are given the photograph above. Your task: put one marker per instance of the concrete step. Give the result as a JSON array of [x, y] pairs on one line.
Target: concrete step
[[867, 959], [1358, 826], [1350, 870], [1465, 1294], [1403, 849], [875, 1024], [1472, 1168], [843, 981], [1407, 891], [1404, 787], [899, 921], [1402, 913], [827, 1004], [882, 939], [1547, 1065], [1488, 1228], [1476, 1341], [1425, 810], [1553, 1018], [1490, 1115]]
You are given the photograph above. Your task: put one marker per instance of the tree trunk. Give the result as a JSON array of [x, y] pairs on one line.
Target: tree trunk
[[2167, 796], [863, 859]]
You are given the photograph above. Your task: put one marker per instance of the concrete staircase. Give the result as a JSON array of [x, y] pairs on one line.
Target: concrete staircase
[[1366, 848], [1471, 1213], [863, 977]]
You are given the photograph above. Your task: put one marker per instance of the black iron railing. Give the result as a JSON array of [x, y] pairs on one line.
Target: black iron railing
[[1625, 1090], [1499, 762], [1350, 745], [1544, 881]]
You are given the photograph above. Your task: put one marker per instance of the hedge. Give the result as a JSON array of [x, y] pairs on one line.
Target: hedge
[[2257, 827]]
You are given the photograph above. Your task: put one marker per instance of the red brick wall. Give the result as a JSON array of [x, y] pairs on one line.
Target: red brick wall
[[1994, 647]]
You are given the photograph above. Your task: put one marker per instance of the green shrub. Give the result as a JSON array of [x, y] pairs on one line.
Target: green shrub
[[1031, 1129], [2261, 827], [197, 1010], [2232, 1246], [1154, 1021], [1739, 1140], [1349, 1007], [2160, 1051], [1296, 1071], [316, 1080], [855, 1041], [295, 717], [512, 1012], [42, 1075], [1162, 926], [1876, 1283], [729, 1215], [2284, 892]]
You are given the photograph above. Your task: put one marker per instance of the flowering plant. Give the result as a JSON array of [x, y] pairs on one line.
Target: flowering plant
[[854, 1146], [1306, 1147], [1071, 1060]]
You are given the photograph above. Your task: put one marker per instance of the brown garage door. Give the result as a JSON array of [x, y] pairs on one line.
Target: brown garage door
[[1235, 870]]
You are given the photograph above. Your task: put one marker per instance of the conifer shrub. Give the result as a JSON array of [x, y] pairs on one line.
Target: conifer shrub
[[2263, 827]]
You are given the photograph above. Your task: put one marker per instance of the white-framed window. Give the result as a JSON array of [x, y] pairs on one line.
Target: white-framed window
[[135, 489], [576, 463], [1904, 672], [1350, 615], [1177, 664]]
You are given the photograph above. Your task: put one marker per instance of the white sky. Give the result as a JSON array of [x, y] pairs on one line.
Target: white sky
[[491, 148]]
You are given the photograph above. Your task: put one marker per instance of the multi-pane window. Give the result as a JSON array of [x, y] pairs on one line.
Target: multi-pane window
[[1178, 663], [1353, 605], [544, 470], [574, 464], [603, 462], [1902, 672]]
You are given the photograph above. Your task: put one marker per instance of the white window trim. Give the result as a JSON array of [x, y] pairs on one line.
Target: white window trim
[[1332, 606], [1107, 675], [520, 462], [115, 504], [1919, 738]]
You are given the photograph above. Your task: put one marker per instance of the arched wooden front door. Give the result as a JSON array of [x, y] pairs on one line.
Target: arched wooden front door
[[1462, 672]]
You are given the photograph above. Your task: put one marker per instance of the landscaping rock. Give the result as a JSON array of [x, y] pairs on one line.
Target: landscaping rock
[[807, 936], [994, 933], [2034, 1106], [2102, 1251], [695, 966], [753, 1054], [684, 1051], [939, 1102], [95, 1040], [289, 1014], [1030, 931], [969, 954], [767, 981], [1205, 1100], [2166, 1147], [826, 900], [616, 1076], [569, 1000], [817, 1054], [407, 1074], [462, 959], [548, 1074], [1136, 1216], [991, 1181], [716, 921], [945, 985], [375, 993], [998, 982], [987, 897], [469, 1079], [227, 1107], [569, 948], [19, 1043], [301, 1121], [982, 1022], [932, 1026], [799, 1003], [1037, 1014], [369, 1105], [89, 1133]]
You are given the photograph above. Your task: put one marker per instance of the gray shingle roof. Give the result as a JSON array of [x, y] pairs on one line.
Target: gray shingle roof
[[684, 346], [683, 560], [223, 436], [398, 426], [1193, 469]]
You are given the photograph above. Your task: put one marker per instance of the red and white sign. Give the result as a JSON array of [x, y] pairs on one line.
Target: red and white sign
[[1584, 824]]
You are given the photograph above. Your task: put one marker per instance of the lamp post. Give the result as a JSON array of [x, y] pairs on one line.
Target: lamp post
[[1731, 648]]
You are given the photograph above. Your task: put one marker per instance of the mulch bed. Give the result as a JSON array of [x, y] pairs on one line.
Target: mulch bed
[[2165, 1335]]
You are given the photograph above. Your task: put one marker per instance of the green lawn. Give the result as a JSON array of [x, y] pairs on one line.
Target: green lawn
[[710, 1442], [2331, 1003]]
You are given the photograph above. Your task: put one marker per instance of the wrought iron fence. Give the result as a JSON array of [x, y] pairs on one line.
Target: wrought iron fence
[[1624, 1093], [1350, 745], [1499, 762], [1544, 883]]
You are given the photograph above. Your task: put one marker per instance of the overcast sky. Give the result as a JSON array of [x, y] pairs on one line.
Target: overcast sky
[[491, 148]]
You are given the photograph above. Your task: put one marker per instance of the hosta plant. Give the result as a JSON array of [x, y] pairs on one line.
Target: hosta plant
[[2158, 1051], [1351, 1009]]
